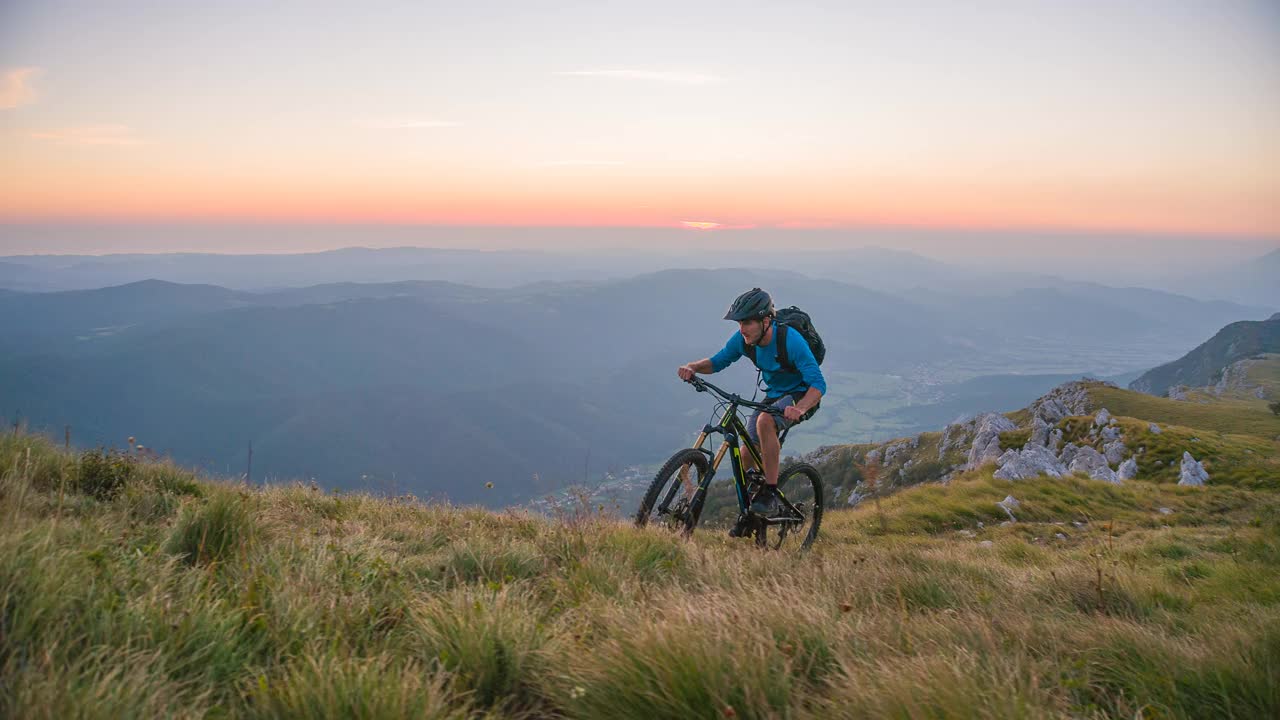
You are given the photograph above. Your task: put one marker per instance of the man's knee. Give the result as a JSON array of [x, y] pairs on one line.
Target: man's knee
[[765, 425]]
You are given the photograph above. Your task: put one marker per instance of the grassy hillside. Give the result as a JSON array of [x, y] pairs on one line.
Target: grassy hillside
[[137, 590], [1203, 365]]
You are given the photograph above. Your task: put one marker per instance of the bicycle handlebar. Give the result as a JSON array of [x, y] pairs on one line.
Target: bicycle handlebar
[[702, 386]]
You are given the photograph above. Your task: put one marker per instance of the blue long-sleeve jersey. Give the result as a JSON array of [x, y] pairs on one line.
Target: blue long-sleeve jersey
[[778, 381]]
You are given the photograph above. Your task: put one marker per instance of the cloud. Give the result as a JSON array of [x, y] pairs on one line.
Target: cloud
[[15, 87], [701, 225], [408, 124], [674, 77], [89, 135]]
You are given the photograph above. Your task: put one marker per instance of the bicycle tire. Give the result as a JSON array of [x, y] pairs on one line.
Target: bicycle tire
[[686, 518], [802, 483]]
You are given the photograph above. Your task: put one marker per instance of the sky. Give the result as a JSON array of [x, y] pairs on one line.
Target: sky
[[1147, 118]]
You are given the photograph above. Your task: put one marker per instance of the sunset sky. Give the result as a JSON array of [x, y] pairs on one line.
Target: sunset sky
[[1155, 117]]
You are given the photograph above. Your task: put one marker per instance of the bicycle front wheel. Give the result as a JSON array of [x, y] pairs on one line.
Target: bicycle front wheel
[[801, 485], [673, 500]]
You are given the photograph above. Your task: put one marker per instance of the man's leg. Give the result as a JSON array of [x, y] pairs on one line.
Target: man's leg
[[770, 449]]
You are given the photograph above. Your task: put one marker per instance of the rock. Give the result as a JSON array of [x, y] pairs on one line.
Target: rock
[[1091, 462], [1055, 439], [1115, 452], [894, 450], [1111, 432], [955, 436], [1166, 511], [1235, 378], [1193, 472], [1153, 428], [965, 533], [1006, 522], [1060, 536], [1068, 454], [1032, 461], [1009, 504], [1128, 470], [1102, 418], [985, 543], [986, 440], [1067, 399], [980, 525], [1178, 392], [1040, 430], [1077, 524]]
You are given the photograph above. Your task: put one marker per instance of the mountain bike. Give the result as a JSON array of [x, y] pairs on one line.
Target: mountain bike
[[676, 496]]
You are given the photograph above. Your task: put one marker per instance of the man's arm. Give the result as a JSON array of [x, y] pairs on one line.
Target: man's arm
[[687, 370], [811, 398]]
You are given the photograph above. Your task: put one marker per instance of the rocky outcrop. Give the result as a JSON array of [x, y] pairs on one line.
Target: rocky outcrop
[[1153, 428], [1193, 472], [894, 450], [1063, 401], [1179, 392], [1092, 463], [986, 439], [1128, 469], [1102, 418], [1032, 461], [1115, 452]]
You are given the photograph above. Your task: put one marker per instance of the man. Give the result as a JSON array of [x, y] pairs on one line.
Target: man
[[795, 393]]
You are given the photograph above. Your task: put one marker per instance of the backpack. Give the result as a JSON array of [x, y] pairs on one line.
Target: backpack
[[798, 319]]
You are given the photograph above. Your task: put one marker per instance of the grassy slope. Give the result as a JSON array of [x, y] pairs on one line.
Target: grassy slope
[[179, 597]]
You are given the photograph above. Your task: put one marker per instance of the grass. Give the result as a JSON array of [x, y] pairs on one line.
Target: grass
[[174, 596], [1227, 416]]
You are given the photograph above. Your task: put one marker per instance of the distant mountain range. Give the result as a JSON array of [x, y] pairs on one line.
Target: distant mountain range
[[1204, 365], [438, 387]]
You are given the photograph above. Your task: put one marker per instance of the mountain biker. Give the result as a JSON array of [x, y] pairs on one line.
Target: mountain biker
[[795, 393]]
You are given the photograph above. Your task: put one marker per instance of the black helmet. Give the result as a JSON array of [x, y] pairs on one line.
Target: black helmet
[[750, 305]]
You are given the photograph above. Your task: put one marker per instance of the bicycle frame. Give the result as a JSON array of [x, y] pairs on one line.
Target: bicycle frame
[[735, 435]]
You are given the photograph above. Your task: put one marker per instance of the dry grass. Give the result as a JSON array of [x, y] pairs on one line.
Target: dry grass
[[316, 605]]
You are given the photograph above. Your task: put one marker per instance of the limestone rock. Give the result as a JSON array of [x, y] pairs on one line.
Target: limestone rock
[[1067, 399], [1068, 454], [1154, 428], [1102, 418], [894, 450], [1128, 470], [956, 435], [1115, 452], [1193, 472], [1110, 433], [1178, 392], [1055, 439], [1092, 463], [1032, 461], [1040, 429], [1009, 504], [986, 440]]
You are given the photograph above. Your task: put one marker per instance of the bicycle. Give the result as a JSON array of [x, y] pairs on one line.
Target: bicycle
[[682, 499]]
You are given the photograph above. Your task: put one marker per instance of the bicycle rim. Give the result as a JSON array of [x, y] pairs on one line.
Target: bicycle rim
[[672, 500], [801, 485]]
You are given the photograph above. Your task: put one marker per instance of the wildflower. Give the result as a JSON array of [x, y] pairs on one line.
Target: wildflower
[[489, 484], [576, 692], [131, 439]]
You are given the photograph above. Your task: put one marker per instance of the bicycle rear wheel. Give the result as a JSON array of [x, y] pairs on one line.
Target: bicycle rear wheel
[[801, 485], [673, 500]]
